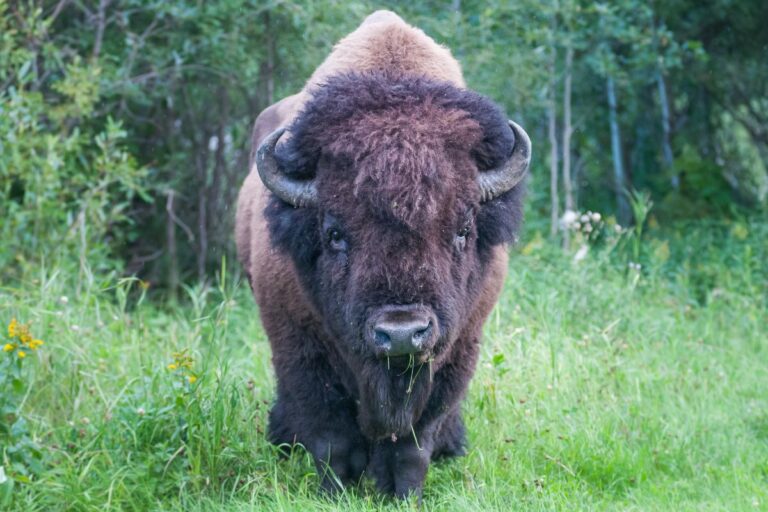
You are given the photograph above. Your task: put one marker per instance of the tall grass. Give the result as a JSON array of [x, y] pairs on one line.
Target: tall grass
[[600, 387]]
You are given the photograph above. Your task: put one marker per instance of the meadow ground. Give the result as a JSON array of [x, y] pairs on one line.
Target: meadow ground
[[600, 387]]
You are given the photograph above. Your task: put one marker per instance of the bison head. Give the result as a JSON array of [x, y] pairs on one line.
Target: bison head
[[390, 194]]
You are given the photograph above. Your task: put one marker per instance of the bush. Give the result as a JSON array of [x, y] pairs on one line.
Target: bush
[[66, 180]]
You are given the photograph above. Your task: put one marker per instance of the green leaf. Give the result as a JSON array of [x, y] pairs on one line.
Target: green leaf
[[18, 386]]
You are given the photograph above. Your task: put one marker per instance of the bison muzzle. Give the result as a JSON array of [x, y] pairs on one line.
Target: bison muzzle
[[373, 228]]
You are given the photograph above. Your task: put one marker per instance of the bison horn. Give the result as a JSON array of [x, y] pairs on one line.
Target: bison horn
[[495, 182], [299, 193]]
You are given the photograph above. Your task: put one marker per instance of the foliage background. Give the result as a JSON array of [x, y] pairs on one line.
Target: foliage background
[[124, 126]]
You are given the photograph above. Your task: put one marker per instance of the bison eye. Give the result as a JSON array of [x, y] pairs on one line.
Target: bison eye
[[460, 242], [336, 239]]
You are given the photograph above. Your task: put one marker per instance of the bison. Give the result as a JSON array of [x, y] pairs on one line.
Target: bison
[[373, 228]]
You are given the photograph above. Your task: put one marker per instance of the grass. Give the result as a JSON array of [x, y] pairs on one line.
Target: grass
[[599, 388]]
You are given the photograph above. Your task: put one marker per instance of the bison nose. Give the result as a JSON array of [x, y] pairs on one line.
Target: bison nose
[[402, 332], [401, 338]]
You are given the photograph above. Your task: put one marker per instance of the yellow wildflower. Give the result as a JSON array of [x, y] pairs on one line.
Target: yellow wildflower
[[182, 366], [23, 334], [183, 360], [13, 328]]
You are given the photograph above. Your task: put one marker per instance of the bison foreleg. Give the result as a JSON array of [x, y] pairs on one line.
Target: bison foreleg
[[451, 439], [399, 465], [312, 409]]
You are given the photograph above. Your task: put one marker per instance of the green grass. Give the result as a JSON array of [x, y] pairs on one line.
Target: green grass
[[598, 388]]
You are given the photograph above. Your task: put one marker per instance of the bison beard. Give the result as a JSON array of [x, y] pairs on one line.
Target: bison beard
[[395, 158], [391, 398]]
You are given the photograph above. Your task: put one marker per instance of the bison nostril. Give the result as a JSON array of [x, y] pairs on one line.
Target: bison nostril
[[382, 339], [420, 335]]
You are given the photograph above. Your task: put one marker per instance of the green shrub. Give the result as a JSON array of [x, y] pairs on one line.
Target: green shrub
[[66, 179]]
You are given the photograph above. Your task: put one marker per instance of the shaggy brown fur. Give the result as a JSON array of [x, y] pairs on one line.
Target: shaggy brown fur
[[394, 143]]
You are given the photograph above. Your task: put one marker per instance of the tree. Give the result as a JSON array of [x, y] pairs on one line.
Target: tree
[[552, 130]]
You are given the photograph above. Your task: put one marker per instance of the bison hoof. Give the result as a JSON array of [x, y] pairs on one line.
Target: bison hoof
[[339, 462]]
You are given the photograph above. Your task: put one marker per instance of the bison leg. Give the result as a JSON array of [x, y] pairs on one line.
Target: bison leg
[[451, 439], [313, 409], [400, 466]]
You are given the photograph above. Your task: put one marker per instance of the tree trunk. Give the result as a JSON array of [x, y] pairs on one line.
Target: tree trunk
[[666, 143], [170, 238], [567, 132], [270, 64], [201, 157], [618, 160], [101, 23], [553, 158]]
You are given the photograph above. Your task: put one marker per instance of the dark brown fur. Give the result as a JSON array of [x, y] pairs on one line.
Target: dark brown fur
[[395, 152]]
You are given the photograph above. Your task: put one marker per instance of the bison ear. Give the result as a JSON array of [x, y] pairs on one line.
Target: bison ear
[[298, 192], [505, 176]]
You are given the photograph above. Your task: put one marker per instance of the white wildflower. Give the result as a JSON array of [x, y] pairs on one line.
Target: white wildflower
[[596, 217], [568, 218], [64, 299], [584, 218], [3, 478], [581, 253], [75, 327]]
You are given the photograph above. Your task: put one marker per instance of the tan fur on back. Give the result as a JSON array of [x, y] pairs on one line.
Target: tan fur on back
[[385, 42]]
